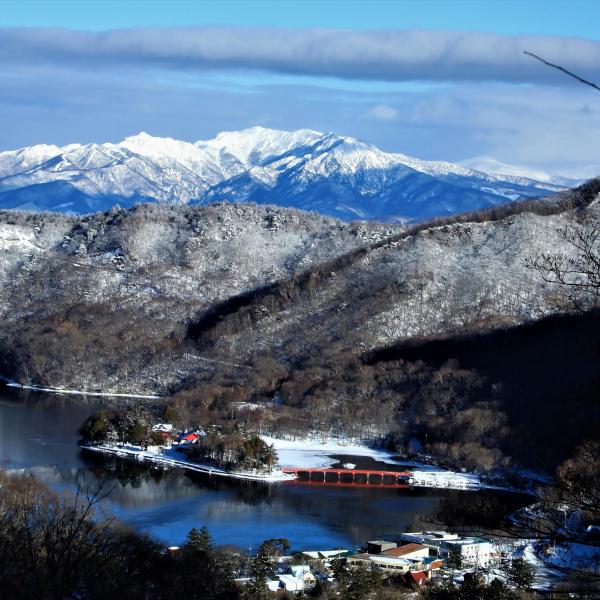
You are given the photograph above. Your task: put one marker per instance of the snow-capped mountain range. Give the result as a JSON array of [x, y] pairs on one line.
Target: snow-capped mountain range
[[334, 175]]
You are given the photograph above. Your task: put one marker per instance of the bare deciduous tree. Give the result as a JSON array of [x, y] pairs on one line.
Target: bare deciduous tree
[[576, 274]]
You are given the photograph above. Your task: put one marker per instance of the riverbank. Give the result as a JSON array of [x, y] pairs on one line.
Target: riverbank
[[41, 439], [293, 454], [170, 458], [312, 453], [315, 452]]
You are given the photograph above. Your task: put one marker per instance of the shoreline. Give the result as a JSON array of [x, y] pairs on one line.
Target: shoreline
[[312, 452], [425, 478], [51, 390], [317, 452], [169, 460]]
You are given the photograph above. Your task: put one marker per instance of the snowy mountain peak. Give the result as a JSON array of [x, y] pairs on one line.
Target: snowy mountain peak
[[24, 159], [148, 145], [254, 145], [332, 174], [490, 165]]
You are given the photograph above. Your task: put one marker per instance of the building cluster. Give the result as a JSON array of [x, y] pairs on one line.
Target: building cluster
[[296, 578], [415, 558], [170, 435], [418, 556], [466, 551], [412, 561]]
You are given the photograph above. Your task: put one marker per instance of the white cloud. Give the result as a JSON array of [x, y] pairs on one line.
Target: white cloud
[[383, 112], [400, 55], [555, 129]]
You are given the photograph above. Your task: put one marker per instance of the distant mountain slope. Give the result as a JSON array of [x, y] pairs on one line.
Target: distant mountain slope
[[334, 175], [491, 166]]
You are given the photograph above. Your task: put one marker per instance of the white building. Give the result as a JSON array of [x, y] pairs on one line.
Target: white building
[[297, 579], [431, 539], [472, 551], [164, 427]]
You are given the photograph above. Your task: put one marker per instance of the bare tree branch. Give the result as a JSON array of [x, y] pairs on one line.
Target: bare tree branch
[[569, 73], [576, 275]]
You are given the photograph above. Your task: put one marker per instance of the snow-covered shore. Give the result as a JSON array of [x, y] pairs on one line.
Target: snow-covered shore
[[52, 390], [311, 453], [318, 452], [169, 457]]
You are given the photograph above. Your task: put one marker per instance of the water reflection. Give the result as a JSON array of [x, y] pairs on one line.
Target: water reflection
[[41, 438]]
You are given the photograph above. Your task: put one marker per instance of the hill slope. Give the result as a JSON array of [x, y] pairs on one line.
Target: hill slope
[[231, 302]]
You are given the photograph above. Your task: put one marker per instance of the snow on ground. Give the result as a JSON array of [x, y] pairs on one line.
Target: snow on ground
[[581, 557], [169, 457], [317, 453], [52, 390], [446, 479], [545, 576]]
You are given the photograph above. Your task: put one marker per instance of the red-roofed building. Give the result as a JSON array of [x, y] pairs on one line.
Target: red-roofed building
[[190, 437], [415, 577], [408, 551]]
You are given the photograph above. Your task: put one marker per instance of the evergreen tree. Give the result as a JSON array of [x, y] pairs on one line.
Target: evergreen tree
[[340, 571], [275, 546], [365, 583], [520, 573], [96, 428], [454, 560], [257, 589], [498, 590], [199, 540], [471, 589], [262, 563], [446, 591], [261, 568]]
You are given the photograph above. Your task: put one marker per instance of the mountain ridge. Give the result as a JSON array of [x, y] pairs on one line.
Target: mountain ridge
[[335, 175]]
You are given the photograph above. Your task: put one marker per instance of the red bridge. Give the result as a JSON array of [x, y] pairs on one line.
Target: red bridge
[[351, 477]]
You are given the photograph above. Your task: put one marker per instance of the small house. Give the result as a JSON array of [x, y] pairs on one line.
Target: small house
[[304, 573], [415, 578], [290, 583]]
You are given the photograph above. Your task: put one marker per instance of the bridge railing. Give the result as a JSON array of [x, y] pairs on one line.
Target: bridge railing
[[352, 477]]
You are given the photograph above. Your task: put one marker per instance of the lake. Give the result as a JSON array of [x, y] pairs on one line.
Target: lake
[[38, 435]]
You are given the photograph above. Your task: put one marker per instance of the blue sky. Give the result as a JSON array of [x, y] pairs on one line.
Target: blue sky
[[553, 17], [435, 93]]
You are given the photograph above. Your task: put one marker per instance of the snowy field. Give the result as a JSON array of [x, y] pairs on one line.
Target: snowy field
[[316, 453], [549, 570]]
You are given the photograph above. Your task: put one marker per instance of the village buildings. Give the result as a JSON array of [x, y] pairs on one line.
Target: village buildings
[[417, 557], [469, 551], [391, 558]]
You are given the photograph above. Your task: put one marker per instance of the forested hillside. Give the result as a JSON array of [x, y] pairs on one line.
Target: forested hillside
[[388, 333]]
